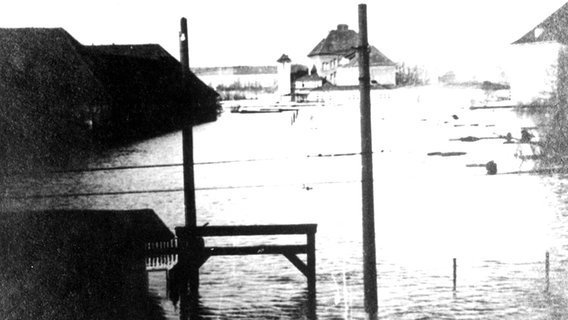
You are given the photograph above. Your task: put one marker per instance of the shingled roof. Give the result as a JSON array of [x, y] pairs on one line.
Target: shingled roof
[[45, 87], [338, 42], [144, 74], [553, 28], [344, 42], [51, 84], [144, 51], [376, 58]]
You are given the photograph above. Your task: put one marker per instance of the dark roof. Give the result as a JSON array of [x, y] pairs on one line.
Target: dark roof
[[376, 58], [553, 28], [77, 264], [45, 82], [108, 225], [344, 42], [338, 42], [49, 79], [284, 58], [45, 64], [143, 74], [145, 51]]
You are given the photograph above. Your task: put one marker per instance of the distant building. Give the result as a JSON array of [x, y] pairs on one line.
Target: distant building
[[305, 84], [336, 60], [539, 60], [239, 77]]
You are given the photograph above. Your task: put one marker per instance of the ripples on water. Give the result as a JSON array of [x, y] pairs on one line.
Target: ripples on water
[[428, 210]]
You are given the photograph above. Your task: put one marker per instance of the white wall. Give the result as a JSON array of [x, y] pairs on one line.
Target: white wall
[[385, 75], [532, 71], [332, 63], [284, 85]]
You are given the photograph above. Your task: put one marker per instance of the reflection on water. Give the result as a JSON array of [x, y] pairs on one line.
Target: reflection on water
[[261, 169]]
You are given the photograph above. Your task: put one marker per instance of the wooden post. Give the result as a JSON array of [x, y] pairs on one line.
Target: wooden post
[[369, 259], [188, 299], [455, 272], [547, 270], [311, 262]]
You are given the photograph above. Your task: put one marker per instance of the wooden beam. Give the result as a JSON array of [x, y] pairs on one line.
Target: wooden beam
[[247, 230], [298, 263], [253, 250]]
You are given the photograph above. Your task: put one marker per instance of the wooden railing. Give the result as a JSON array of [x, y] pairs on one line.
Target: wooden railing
[[161, 255]]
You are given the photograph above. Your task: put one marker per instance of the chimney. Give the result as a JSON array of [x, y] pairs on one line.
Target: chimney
[[342, 27]]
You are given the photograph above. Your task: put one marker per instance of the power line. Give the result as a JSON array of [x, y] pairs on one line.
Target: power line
[[166, 165], [114, 193]]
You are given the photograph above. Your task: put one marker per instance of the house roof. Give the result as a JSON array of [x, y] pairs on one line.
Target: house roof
[[553, 28], [284, 58], [344, 42], [45, 80], [48, 78], [341, 41], [145, 51], [137, 74], [376, 58], [108, 225]]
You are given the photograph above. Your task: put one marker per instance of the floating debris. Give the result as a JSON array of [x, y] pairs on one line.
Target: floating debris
[[447, 154], [474, 139], [491, 167], [526, 136]]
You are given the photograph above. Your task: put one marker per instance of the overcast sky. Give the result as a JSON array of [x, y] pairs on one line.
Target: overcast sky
[[257, 32]]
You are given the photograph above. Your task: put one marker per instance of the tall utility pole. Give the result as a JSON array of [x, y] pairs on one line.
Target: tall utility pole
[[187, 137], [188, 300], [369, 259]]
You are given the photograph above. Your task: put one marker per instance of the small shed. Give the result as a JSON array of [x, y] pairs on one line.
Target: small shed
[[77, 264]]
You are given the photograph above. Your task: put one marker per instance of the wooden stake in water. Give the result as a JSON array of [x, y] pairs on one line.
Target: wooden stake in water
[[369, 259], [547, 270], [455, 274]]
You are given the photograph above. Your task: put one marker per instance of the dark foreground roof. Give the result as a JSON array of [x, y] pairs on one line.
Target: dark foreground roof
[[137, 225], [144, 74], [553, 28], [44, 69], [71, 265], [51, 86]]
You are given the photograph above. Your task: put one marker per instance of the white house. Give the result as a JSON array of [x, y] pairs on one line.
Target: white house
[[539, 60], [336, 60]]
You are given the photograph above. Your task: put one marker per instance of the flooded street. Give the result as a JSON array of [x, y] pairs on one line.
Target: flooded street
[[433, 202]]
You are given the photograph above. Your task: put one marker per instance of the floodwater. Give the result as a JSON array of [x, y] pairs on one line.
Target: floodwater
[[433, 202]]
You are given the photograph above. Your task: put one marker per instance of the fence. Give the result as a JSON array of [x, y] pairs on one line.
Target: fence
[[161, 255]]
